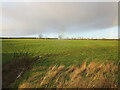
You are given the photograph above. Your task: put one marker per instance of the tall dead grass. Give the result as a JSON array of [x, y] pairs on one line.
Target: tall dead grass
[[86, 76]]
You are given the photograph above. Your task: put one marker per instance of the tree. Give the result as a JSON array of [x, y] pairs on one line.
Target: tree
[[40, 36], [60, 36]]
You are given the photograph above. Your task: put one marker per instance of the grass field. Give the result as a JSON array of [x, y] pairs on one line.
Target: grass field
[[60, 63]]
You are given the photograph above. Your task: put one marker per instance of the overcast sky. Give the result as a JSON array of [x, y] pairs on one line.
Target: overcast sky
[[88, 19]]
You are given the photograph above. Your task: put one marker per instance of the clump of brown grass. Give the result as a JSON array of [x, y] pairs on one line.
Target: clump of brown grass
[[92, 76], [25, 85]]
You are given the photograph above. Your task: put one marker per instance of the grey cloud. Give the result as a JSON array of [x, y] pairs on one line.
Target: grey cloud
[[33, 18]]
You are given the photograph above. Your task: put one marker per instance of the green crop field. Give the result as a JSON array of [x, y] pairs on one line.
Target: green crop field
[[49, 61]]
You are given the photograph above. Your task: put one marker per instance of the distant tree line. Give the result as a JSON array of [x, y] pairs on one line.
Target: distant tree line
[[60, 36]]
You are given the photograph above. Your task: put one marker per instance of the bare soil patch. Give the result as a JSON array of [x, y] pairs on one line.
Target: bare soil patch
[[15, 70]]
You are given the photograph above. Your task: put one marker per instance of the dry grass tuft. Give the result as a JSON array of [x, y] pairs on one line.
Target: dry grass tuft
[[25, 85], [77, 71], [92, 76]]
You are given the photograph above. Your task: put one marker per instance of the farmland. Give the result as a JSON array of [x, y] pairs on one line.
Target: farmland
[[60, 63]]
